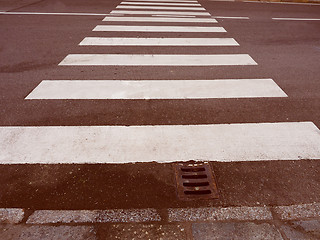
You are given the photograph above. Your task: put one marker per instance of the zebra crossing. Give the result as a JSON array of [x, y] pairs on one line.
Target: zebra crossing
[[161, 143]]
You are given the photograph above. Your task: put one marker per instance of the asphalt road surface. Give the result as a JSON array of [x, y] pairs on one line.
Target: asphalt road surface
[[99, 125]]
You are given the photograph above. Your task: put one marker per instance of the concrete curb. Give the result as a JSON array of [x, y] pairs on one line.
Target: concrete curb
[[214, 214], [11, 215]]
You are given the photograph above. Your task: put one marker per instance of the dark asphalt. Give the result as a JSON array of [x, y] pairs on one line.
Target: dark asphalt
[[31, 46]]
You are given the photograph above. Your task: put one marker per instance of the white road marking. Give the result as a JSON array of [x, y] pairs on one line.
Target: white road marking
[[156, 60], [115, 14], [159, 19], [175, 1], [137, 19], [162, 12], [175, 16], [98, 41], [156, 89], [125, 28], [160, 3], [297, 19], [46, 13], [162, 143], [161, 8]]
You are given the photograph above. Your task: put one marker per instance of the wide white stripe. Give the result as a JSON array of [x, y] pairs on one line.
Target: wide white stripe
[[161, 8], [53, 13], [96, 41], [125, 28], [160, 3], [175, 1], [124, 144], [174, 16], [156, 89], [156, 60], [158, 19], [297, 19], [162, 12]]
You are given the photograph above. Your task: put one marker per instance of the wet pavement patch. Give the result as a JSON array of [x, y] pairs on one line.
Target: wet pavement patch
[[153, 185]]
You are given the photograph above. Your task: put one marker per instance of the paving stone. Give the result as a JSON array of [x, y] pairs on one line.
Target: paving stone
[[235, 231], [11, 215], [23, 232], [302, 230], [88, 216], [219, 214], [296, 212], [62, 216], [143, 231]]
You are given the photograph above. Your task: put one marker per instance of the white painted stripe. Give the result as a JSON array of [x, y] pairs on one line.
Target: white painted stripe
[[114, 14], [46, 13], [126, 28], [97, 41], [175, 1], [176, 16], [161, 4], [163, 143], [158, 19], [156, 60], [161, 8], [297, 19], [162, 12], [156, 89]]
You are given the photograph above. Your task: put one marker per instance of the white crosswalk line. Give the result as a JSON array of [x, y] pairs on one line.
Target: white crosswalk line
[[176, 16], [161, 8], [161, 12], [175, 1], [125, 28], [158, 19], [297, 19], [96, 41], [156, 60], [156, 89], [163, 143], [124, 144], [161, 4]]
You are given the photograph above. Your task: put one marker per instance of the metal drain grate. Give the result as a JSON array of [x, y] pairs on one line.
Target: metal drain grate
[[195, 181]]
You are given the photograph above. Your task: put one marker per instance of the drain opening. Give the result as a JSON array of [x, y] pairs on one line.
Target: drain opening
[[195, 181], [195, 184], [197, 192], [193, 169], [194, 176]]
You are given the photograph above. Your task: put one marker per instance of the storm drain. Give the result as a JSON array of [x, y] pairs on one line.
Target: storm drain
[[195, 181]]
